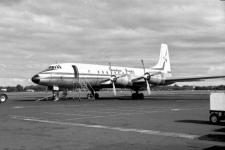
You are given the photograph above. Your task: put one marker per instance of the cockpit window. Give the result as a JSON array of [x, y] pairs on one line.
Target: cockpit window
[[55, 67]]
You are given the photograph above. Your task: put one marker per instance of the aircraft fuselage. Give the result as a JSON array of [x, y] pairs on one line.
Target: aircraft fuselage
[[68, 75]]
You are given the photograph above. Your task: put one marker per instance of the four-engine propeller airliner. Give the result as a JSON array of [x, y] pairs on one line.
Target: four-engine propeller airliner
[[95, 77]]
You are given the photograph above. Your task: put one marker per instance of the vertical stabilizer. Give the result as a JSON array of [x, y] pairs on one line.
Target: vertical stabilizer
[[163, 64]]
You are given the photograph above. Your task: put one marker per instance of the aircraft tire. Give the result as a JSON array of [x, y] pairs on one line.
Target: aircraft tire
[[90, 97], [134, 96], [141, 96], [3, 98], [96, 96], [137, 96], [214, 119]]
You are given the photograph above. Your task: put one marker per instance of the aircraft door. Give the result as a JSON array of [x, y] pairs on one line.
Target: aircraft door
[[76, 73]]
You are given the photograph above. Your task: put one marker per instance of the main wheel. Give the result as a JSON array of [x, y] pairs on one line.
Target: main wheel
[[134, 96], [214, 119], [141, 96], [90, 97], [3, 98], [96, 96]]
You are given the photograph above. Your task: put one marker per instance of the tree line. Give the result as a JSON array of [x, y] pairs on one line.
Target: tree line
[[38, 88], [20, 88]]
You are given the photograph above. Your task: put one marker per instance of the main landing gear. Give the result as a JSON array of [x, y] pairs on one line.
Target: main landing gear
[[137, 95], [55, 95], [92, 96]]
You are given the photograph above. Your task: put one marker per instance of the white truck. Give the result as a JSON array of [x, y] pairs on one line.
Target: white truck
[[217, 107]]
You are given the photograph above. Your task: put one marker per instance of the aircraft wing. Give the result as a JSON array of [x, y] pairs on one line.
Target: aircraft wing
[[190, 79]]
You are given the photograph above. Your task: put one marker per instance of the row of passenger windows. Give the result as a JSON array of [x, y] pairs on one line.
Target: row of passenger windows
[[107, 72]]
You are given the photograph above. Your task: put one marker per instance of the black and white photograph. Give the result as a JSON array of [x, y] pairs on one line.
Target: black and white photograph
[[112, 74]]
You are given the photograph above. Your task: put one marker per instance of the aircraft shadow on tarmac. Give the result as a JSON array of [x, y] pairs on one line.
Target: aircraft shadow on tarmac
[[215, 148], [199, 122], [218, 137], [213, 137], [124, 97], [109, 98]]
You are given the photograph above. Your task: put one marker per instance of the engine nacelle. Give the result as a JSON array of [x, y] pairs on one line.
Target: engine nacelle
[[156, 80], [124, 81]]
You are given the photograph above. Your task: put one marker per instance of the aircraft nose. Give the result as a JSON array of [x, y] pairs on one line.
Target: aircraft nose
[[36, 79]]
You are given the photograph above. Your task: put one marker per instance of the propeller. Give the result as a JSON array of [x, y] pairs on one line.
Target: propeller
[[146, 77], [113, 80]]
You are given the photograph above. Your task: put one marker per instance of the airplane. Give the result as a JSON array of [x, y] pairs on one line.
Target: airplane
[[95, 77]]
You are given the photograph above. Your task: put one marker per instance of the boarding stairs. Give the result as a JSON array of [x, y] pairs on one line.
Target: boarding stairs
[[82, 87]]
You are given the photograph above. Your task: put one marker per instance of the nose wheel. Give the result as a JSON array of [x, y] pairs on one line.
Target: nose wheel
[[93, 96], [55, 95]]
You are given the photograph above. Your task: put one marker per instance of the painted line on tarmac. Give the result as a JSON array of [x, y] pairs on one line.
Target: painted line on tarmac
[[114, 115], [18, 107], [140, 131], [22, 117], [65, 114], [54, 105], [110, 110], [41, 106], [183, 109]]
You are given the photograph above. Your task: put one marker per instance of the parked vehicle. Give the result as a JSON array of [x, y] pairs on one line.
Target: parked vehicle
[[3, 97], [217, 107]]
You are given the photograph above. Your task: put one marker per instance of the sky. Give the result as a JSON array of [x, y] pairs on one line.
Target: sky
[[37, 33]]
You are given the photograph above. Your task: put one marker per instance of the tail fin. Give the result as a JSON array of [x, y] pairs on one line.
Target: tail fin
[[163, 64]]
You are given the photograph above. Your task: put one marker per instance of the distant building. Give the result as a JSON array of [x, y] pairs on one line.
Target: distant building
[[29, 90], [3, 90]]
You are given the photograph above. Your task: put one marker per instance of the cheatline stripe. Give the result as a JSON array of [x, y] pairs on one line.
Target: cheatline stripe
[[141, 131], [67, 73], [57, 78]]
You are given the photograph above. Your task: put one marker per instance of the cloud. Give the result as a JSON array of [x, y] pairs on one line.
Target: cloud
[[220, 69], [14, 81], [38, 33], [10, 2]]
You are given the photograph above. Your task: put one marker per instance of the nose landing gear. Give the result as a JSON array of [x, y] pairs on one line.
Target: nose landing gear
[[92, 96], [137, 95]]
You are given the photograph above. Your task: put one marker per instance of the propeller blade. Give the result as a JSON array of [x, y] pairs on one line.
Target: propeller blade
[[143, 65], [114, 89], [110, 67], [148, 87], [112, 79]]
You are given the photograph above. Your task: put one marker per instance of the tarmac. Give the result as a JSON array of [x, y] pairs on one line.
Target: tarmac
[[164, 120]]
